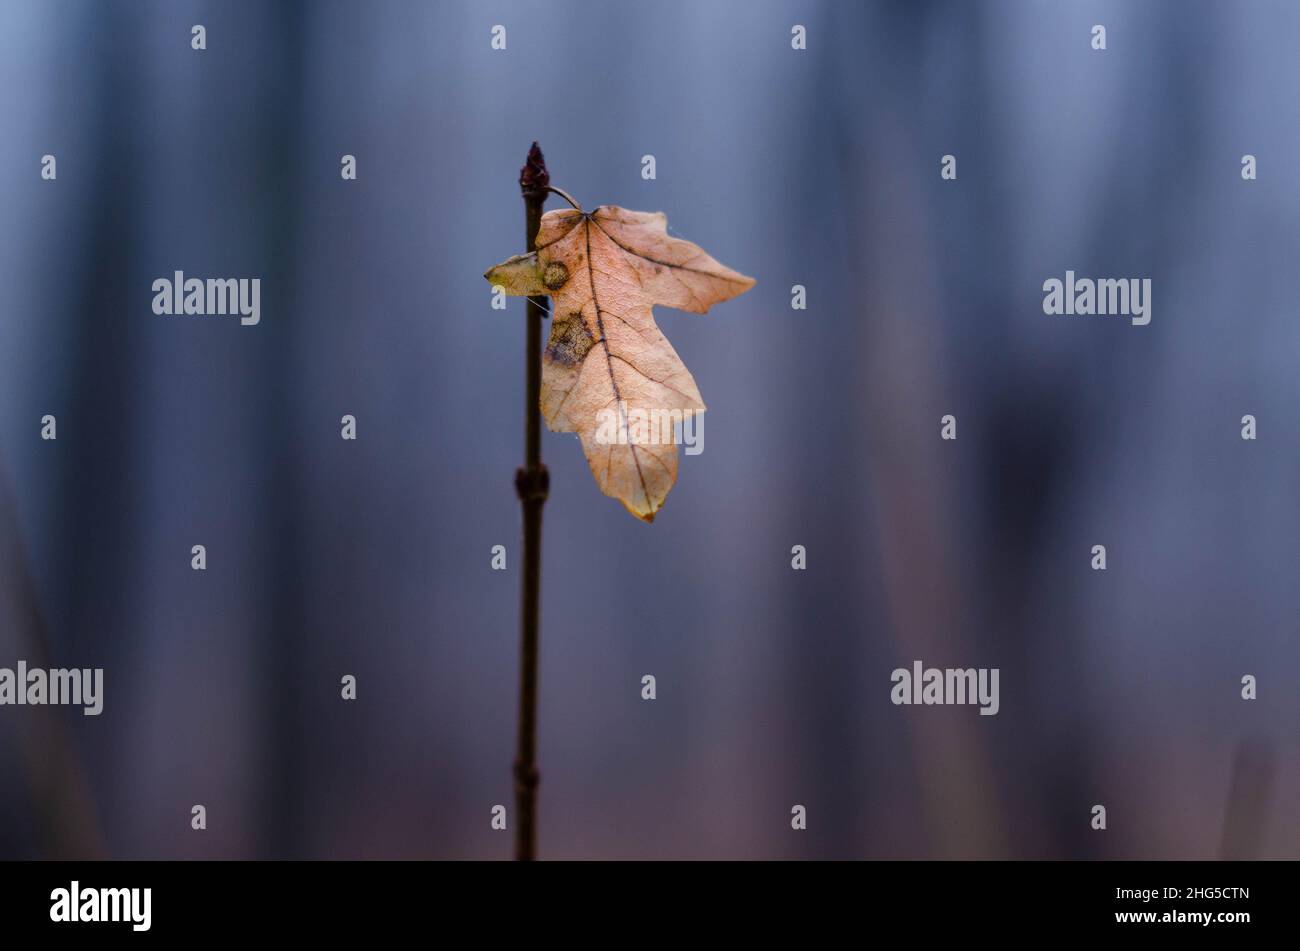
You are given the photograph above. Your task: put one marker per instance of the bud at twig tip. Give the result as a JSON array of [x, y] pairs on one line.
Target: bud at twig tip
[[533, 177]]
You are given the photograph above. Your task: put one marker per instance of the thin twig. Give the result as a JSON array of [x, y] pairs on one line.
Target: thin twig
[[531, 483]]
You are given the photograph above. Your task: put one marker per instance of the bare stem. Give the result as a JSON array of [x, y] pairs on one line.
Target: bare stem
[[531, 483]]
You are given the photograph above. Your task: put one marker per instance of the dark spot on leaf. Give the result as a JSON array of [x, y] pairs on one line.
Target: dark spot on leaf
[[555, 276], [570, 340]]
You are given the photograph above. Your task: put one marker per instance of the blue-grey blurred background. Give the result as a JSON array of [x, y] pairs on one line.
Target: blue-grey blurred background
[[817, 167]]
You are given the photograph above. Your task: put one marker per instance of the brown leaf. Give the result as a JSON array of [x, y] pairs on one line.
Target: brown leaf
[[607, 370]]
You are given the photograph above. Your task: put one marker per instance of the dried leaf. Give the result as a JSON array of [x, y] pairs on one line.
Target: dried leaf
[[607, 369]]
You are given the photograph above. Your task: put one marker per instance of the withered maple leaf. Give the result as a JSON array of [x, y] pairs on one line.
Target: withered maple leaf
[[606, 361]]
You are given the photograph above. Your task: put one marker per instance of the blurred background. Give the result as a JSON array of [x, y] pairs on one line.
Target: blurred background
[[372, 558]]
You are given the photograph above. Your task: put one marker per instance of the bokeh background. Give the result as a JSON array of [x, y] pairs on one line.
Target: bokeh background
[[818, 167]]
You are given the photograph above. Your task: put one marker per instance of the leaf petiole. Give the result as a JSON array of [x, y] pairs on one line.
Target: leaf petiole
[[565, 195]]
